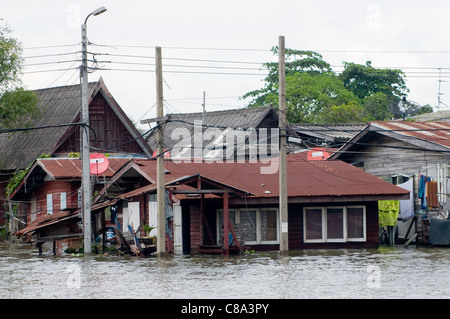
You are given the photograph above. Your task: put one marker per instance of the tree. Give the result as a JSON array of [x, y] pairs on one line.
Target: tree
[[351, 112], [365, 80], [297, 61], [307, 96], [17, 105], [311, 85]]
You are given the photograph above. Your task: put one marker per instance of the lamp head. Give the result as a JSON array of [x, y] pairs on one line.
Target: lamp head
[[99, 11]]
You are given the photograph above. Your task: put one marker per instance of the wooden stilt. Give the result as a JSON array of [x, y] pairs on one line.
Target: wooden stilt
[[225, 224]]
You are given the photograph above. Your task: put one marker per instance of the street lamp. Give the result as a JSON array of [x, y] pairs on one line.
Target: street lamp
[[85, 175]]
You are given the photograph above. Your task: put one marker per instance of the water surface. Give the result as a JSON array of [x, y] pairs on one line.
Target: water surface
[[394, 272]]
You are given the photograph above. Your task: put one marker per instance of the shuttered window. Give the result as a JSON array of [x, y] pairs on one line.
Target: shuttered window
[[334, 224]]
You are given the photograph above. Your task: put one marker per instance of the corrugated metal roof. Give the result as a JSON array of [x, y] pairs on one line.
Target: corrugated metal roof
[[329, 132], [253, 117], [436, 132], [317, 178], [71, 167], [305, 178]]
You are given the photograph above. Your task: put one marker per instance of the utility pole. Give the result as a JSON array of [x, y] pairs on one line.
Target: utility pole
[[283, 143], [85, 177], [160, 195], [204, 106], [84, 131]]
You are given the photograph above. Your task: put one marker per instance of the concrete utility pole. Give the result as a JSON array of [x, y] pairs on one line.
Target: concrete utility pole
[[84, 129], [283, 143], [160, 184]]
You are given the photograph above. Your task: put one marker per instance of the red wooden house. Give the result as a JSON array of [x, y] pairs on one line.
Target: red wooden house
[[331, 204], [114, 132]]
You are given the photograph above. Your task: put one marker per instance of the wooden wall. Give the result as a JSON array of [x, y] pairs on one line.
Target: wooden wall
[[295, 220], [110, 131], [384, 155]]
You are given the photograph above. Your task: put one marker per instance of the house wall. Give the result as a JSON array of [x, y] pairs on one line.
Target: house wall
[[295, 228], [295, 220], [38, 200], [384, 156], [109, 129]]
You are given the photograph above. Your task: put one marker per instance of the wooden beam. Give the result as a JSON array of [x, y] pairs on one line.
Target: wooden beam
[[201, 191], [225, 224]]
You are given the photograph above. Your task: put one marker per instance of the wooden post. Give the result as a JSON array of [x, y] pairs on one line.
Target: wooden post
[[225, 224], [160, 195], [283, 143]]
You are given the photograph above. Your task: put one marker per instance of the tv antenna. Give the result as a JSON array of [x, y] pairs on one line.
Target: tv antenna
[[439, 92]]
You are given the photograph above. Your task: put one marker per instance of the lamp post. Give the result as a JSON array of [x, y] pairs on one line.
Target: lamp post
[[85, 177]]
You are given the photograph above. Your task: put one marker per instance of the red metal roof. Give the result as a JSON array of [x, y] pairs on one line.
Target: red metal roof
[[437, 132], [318, 178], [305, 178], [71, 167]]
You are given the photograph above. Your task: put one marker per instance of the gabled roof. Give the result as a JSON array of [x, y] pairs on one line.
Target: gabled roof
[[58, 105], [432, 136], [306, 179], [61, 168], [252, 117], [331, 134]]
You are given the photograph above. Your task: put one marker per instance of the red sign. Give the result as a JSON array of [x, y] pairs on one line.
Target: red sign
[[317, 153]]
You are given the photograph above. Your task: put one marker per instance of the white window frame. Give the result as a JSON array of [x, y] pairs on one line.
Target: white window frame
[[63, 199], [345, 237], [49, 204], [364, 238], [238, 216]]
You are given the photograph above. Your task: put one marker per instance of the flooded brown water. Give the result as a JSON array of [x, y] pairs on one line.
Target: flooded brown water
[[394, 272]]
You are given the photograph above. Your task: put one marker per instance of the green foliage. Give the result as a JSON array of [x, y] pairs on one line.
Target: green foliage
[[16, 179], [351, 112], [297, 62], [17, 105], [365, 80], [315, 93], [10, 59]]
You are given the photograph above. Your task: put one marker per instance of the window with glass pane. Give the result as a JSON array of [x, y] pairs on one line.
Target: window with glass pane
[[355, 223], [268, 225], [335, 223], [313, 224], [248, 222]]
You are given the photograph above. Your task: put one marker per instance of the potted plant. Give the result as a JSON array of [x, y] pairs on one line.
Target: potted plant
[[147, 239]]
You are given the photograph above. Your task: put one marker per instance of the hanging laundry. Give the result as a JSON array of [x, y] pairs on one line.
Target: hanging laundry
[[407, 205], [388, 211], [422, 191], [432, 194]]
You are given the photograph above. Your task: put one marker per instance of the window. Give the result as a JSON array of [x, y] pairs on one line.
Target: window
[[334, 224], [49, 204], [255, 226], [63, 201], [356, 224]]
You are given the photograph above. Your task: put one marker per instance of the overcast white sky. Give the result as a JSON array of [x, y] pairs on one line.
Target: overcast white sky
[[411, 35]]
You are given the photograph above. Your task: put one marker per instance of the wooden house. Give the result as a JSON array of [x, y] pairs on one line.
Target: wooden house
[[406, 152], [227, 135], [59, 106], [331, 204]]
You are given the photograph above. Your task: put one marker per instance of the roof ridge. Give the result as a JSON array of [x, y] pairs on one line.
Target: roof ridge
[[64, 86], [248, 108]]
